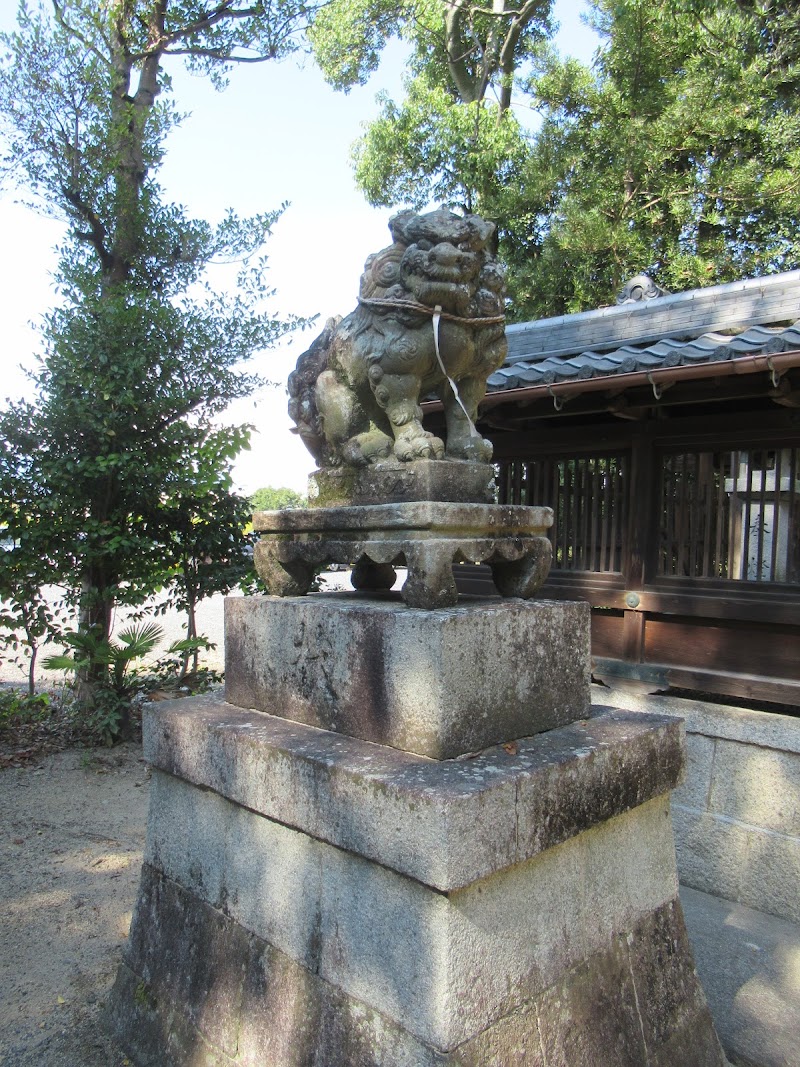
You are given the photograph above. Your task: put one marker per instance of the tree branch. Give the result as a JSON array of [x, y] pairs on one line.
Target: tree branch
[[214, 53], [519, 21], [148, 87], [491, 51], [490, 12], [61, 19], [507, 57], [97, 234], [456, 52], [222, 12]]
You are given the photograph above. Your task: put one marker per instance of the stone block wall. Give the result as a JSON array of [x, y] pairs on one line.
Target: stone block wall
[[737, 816]]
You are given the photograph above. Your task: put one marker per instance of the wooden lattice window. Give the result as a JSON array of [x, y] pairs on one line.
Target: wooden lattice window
[[731, 515], [587, 496]]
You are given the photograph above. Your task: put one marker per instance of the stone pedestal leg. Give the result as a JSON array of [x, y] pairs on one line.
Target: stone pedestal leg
[[430, 582], [523, 577], [282, 577], [369, 575]]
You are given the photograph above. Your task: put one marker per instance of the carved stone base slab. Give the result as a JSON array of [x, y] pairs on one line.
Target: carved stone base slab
[[427, 537]]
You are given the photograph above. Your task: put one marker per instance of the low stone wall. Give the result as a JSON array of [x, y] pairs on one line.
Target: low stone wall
[[737, 816]]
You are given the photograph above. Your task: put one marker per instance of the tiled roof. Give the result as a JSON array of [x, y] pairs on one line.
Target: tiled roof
[[707, 348], [680, 329]]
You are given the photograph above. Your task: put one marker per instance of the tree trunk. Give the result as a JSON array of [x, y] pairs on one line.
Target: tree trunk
[[32, 668], [191, 633], [95, 613], [130, 113]]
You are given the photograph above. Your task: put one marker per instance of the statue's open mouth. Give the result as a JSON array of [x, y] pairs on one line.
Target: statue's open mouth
[[442, 275], [444, 263], [451, 297]]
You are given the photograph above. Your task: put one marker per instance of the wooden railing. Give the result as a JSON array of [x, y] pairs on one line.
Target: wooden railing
[[689, 556]]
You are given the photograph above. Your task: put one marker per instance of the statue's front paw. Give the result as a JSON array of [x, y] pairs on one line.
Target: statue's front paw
[[418, 445], [366, 448], [475, 448]]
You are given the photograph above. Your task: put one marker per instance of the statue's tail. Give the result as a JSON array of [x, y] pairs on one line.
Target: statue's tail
[[301, 385]]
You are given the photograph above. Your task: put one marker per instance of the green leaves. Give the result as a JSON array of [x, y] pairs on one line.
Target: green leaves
[[347, 37], [676, 153], [272, 499], [674, 156], [116, 482], [454, 137], [89, 649], [434, 148]]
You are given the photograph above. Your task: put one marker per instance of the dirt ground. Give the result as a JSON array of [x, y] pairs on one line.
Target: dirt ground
[[73, 829], [73, 826], [70, 854]]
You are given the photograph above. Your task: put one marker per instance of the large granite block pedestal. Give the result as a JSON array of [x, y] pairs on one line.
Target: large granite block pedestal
[[437, 683], [311, 899]]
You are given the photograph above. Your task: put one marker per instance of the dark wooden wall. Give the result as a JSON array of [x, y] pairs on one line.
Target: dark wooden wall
[[655, 522]]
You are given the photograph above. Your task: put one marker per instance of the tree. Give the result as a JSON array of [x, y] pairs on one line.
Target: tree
[[269, 498], [30, 614], [141, 355], [676, 155], [455, 137], [205, 522]]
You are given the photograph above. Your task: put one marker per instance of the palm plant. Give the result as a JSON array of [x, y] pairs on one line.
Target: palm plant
[[110, 717]]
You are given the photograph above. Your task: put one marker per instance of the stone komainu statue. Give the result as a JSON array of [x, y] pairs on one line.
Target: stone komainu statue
[[429, 320]]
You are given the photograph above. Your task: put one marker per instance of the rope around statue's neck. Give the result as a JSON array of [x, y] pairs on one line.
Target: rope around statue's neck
[[423, 309], [437, 315]]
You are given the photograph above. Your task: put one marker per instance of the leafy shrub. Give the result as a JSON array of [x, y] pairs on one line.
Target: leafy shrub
[[169, 672], [18, 706], [106, 712]]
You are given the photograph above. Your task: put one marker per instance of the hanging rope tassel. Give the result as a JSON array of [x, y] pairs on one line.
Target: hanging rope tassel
[[437, 318]]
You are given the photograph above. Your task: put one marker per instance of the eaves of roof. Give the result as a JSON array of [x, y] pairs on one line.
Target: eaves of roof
[[657, 378], [732, 307], [659, 341], [666, 354]]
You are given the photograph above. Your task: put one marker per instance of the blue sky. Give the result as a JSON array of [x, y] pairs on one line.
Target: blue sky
[[278, 133]]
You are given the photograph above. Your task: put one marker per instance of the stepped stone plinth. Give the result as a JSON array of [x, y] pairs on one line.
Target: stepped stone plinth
[[403, 838], [310, 898]]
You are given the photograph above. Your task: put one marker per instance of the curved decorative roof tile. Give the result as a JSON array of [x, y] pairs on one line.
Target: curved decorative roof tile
[[554, 350]]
